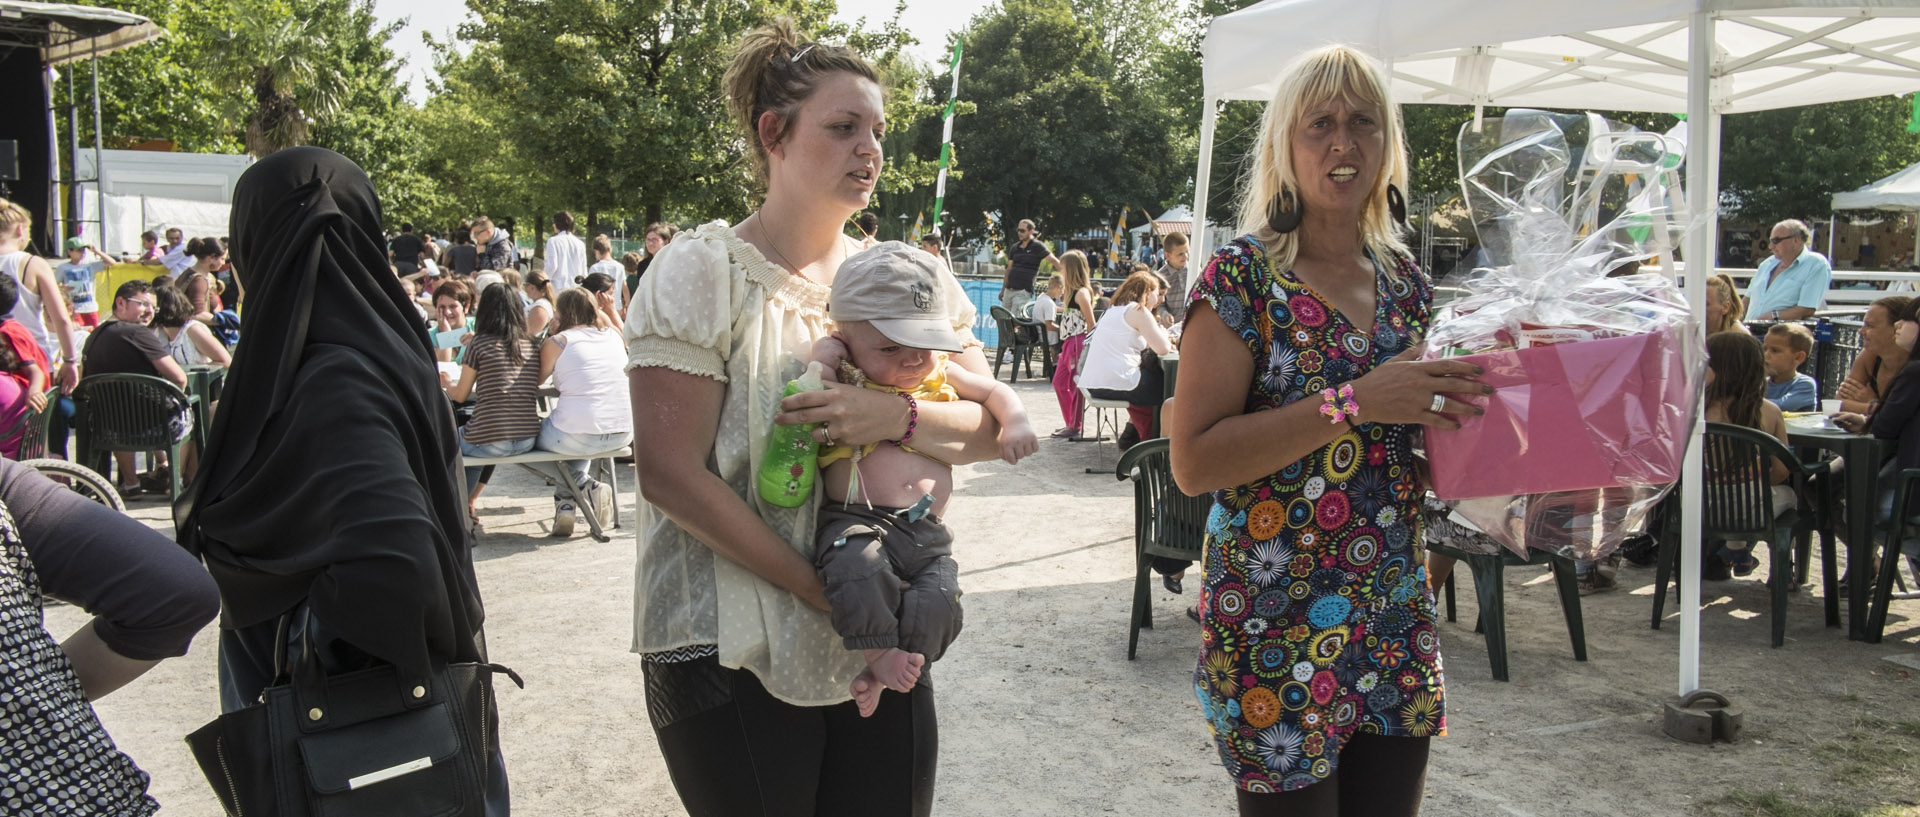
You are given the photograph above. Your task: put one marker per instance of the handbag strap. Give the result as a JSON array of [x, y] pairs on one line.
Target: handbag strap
[[308, 679]]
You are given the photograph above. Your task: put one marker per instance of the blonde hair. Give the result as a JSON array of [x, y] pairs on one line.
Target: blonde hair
[[1074, 273], [602, 244], [1723, 286], [13, 216], [1319, 76], [774, 70]]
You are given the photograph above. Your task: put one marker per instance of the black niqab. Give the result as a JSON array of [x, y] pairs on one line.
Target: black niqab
[[331, 473]]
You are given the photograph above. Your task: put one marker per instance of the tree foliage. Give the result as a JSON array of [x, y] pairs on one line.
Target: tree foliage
[[156, 90], [1788, 163], [1067, 131]]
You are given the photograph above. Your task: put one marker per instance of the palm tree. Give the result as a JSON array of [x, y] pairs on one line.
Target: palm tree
[[278, 61]]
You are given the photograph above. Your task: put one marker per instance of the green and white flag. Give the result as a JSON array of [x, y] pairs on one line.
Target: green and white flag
[[946, 141]]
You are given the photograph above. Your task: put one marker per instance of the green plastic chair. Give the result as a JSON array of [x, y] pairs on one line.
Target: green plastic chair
[[32, 427], [1013, 345], [130, 412], [1166, 523], [1489, 577], [1898, 524], [1738, 505]]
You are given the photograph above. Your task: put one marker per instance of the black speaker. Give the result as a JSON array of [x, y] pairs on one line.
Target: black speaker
[[9, 160]]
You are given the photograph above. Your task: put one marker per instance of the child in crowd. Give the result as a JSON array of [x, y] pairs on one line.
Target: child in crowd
[[1736, 386], [83, 262], [1787, 346], [603, 258], [23, 369], [881, 525], [1046, 308]]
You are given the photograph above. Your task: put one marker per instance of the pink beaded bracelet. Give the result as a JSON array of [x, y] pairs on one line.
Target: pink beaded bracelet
[[913, 419], [1339, 408]]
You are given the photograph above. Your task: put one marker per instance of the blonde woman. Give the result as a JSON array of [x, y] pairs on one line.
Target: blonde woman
[[1075, 322], [1725, 310], [1320, 661]]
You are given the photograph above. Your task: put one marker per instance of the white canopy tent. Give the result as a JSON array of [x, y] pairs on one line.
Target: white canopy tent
[[1704, 58], [1900, 191]]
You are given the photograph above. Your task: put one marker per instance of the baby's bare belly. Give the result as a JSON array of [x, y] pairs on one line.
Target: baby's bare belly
[[893, 478]]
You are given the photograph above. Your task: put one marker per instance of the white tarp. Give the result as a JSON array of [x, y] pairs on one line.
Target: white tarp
[[129, 216], [1900, 191], [1617, 55]]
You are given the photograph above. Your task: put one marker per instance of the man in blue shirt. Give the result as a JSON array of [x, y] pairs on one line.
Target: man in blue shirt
[[1792, 283]]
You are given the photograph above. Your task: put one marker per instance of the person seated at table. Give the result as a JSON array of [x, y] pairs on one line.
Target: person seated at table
[[452, 326], [1896, 419], [1787, 346], [539, 300], [189, 342], [24, 370], [1791, 283], [1879, 360], [600, 285], [125, 345], [1724, 309], [1736, 394], [587, 361], [502, 373], [1118, 366]]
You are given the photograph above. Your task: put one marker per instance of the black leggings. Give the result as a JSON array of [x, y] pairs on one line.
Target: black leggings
[[734, 750], [1150, 391], [1378, 776]]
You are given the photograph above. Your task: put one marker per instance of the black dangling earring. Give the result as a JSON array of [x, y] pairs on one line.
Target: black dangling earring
[[1284, 212], [1396, 205]]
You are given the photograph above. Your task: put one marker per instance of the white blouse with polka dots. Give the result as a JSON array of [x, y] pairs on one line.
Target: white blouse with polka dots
[[712, 305]]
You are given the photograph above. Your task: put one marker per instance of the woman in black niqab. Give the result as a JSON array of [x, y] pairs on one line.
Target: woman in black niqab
[[331, 474]]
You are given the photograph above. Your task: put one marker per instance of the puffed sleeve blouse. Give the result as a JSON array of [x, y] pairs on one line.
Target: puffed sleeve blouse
[[712, 306]]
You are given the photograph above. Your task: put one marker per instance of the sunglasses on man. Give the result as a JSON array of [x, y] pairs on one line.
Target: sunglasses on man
[[1779, 238]]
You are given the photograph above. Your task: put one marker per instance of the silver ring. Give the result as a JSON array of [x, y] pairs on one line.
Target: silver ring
[[826, 436], [1439, 402]]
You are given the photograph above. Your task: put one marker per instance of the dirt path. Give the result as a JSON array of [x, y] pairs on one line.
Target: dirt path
[[1042, 714]]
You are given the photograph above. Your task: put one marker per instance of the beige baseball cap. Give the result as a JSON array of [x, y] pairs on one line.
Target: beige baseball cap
[[900, 291]]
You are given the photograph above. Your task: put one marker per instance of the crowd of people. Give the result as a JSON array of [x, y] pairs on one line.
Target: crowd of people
[[334, 500]]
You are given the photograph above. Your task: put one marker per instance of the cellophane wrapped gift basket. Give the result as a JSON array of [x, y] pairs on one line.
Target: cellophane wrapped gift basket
[[1597, 365]]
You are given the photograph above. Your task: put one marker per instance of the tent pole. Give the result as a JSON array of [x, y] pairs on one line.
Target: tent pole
[[99, 167], [1198, 250], [1702, 140], [1833, 226]]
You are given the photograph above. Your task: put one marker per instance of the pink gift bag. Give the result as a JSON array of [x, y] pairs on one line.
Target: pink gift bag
[[1574, 416]]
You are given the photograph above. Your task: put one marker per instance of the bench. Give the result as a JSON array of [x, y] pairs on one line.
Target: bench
[[547, 465]]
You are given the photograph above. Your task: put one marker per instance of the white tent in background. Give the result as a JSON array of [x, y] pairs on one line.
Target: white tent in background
[[1704, 58], [1900, 191]]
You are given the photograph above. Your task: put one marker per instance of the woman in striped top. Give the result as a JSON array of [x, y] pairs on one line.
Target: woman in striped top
[[502, 373]]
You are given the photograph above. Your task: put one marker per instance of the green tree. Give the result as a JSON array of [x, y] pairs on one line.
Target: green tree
[[1062, 135], [1788, 163], [156, 91], [374, 125], [273, 64]]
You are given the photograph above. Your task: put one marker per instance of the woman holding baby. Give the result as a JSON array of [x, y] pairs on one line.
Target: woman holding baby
[[747, 683]]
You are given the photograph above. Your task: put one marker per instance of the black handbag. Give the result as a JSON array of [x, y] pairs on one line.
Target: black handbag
[[368, 743]]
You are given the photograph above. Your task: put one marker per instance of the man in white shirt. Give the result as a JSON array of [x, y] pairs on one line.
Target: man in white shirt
[[176, 259], [566, 254]]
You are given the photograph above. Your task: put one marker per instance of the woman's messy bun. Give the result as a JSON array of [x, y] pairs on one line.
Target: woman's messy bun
[[775, 69]]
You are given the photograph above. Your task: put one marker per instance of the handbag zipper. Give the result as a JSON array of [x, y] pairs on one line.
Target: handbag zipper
[[233, 795]]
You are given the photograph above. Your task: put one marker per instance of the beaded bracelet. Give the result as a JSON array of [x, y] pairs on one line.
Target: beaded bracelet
[[913, 419], [1339, 408]]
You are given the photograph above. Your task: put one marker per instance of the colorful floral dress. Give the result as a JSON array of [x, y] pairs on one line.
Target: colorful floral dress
[[1317, 619]]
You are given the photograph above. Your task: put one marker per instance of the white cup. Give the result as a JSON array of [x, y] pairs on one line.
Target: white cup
[[1830, 406]]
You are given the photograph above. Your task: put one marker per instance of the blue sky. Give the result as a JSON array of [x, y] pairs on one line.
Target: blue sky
[[929, 20]]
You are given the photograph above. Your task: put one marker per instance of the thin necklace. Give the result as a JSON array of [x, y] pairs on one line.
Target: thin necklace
[[791, 267]]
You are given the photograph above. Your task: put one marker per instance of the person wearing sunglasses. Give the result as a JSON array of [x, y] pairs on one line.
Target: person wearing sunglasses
[[1023, 266], [1792, 283]]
